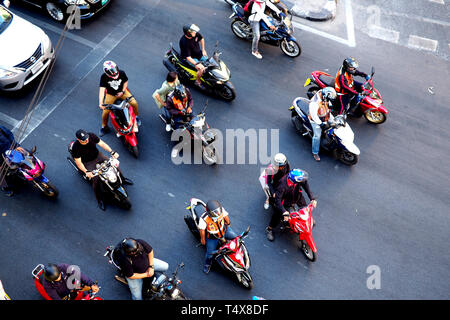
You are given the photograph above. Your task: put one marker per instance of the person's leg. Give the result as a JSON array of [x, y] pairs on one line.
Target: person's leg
[[135, 286], [255, 41], [109, 99], [316, 140], [211, 246], [160, 265], [133, 102]]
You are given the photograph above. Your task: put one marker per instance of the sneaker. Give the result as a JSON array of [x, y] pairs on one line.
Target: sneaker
[[266, 205], [138, 121], [104, 130], [257, 54], [168, 127], [316, 157], [269, 234], [101, 205], [206, 268], [8, 192]]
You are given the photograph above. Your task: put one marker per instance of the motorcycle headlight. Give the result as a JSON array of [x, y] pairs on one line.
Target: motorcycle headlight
[[70, 2], [111, 176], [374, 95], [5, 74]]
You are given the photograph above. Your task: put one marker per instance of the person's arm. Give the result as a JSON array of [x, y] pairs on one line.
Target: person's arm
[[344, 84], [124, 88], [81, 166], [227, 220], [361, 74], [101, 97], [151, 268], [162, 91], [279, 194], [203, 237], [313, 108], [202, 46], [305, 186], [108, 149]]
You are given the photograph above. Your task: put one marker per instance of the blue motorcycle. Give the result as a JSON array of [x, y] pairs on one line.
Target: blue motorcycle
[[281, 36]]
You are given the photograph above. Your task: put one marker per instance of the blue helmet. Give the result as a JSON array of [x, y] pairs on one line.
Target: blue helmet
[[298, 175]]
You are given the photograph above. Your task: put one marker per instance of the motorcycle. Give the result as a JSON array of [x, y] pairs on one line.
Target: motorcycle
[[38, 275], [124, 122], [198, 130], [370, 103], [337, 138], [215, 79], [25, 166], [161, 287], [232, 255], [282, 36], [110, 181], [301, 222], [3, 294]]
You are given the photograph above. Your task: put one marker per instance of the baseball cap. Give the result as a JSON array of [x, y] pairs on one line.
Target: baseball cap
[[82, 135]]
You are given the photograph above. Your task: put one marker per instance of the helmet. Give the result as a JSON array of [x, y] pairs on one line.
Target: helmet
[[130, 246], [279, 160], [111, 69], [188, 28], [51, 272], [328, 93], [298, 175], [350, 65], [179, 92], [214, 209]]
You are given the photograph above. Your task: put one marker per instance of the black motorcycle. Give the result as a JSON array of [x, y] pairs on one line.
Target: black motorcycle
[[158, 287], [215, 79], [111, 183]]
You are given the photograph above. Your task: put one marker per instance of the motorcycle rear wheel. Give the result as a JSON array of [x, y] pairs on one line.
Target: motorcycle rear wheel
[[307, 251], [375, 117], [291, 48], [241, 29], [346, 157], [135, 151]]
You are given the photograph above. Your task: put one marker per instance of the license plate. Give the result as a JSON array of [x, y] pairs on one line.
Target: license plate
[[37, 67], [104, 2]]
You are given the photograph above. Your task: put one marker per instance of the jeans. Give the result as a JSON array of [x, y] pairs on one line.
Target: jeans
[[212, 243], [316, 138], [136, 285], [256, 36], [110, 99]]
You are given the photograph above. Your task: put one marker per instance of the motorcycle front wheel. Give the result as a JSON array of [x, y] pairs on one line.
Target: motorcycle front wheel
[[245, 279], [307, 251], [125, 204], [48, 189], [375, 117], [290, 48], [226, 91]]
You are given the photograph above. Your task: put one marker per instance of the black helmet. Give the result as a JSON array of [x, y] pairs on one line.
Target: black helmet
[[180, 92], [188, 28], [130, 246], [214, 209], [350, 65], [51, 272]]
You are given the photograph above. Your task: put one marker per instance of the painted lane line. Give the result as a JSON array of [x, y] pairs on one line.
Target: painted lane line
[[381, 33], [9, 120], [437, 1], [421, 43], [321, 33]]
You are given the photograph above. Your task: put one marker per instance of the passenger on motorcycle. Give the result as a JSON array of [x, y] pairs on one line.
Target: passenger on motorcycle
[[257, 14], [6, 142], [160, 95], [86, 156], [272, 175], [288, 193], [59, 282], [113, 86], [213, 225], [347, 87], [319, 114], [179, 105], [192, 48], [136, 261]]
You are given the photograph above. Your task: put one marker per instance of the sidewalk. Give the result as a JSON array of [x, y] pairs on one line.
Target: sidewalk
[[315, 10]]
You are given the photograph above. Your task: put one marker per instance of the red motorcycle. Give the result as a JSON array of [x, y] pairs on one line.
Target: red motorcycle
[[38, 274], [302, 222], [370, 104], [124, 122]]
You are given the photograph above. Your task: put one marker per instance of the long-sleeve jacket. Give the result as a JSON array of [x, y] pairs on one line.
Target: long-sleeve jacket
[[345, 83], [6, 139], [258, 14], [287, 194], [176, 108], [273, 178]]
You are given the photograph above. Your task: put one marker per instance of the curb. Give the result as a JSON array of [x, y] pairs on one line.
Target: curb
[[313, 10]]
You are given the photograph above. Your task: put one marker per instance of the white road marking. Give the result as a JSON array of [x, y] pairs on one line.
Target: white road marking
[[9, 120], [421, 43], [383, 33], [437, 1]]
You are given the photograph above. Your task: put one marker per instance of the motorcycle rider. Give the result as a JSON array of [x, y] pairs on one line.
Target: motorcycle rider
[[58, 281], [319, 113], [287, 194], [213, 225], [86, 156], [192, 48], [179, 105], [257, 14], [136, 261], [6, 142], [347, 87], [113, 86], [271, 176]]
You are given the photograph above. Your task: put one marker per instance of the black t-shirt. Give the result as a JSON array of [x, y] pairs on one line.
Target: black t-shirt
[[113, 86], [87, 152], [191, 47], [137, 264]]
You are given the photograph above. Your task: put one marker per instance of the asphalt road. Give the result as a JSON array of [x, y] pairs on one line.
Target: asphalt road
[[391, 210]]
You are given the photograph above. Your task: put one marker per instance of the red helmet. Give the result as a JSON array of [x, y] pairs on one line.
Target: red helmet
[[111, 69]]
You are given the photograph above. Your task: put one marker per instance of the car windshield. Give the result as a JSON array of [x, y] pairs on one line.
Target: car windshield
[[5, 18]]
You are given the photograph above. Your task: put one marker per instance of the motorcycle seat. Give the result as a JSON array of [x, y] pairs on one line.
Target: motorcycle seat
[[199, 211], [328, 81], [303, 105]]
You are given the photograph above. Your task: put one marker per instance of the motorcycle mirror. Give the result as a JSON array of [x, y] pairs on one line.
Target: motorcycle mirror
[[246, 231], [182, 265], [372, 71]]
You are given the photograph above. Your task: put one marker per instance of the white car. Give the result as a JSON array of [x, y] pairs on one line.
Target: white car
[[25, 51]]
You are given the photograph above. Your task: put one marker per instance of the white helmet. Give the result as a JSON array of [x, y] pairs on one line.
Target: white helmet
[[328, 93], [279, 160]]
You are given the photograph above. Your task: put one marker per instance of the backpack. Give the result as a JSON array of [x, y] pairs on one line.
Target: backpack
[[248, 8]]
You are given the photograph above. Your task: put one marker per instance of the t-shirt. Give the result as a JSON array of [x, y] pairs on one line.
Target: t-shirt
[[191, 47], [87, 152], [113, 86], [137, 264]]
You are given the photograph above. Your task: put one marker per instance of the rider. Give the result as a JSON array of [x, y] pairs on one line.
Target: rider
[[346, 86], [136, 262], [6, 142], [58, 278], [86, 156], [179, 104], [272, 175], [214, 224], [192, 48], [287, 194], [113, 86], [319, 113], [257, 14]]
